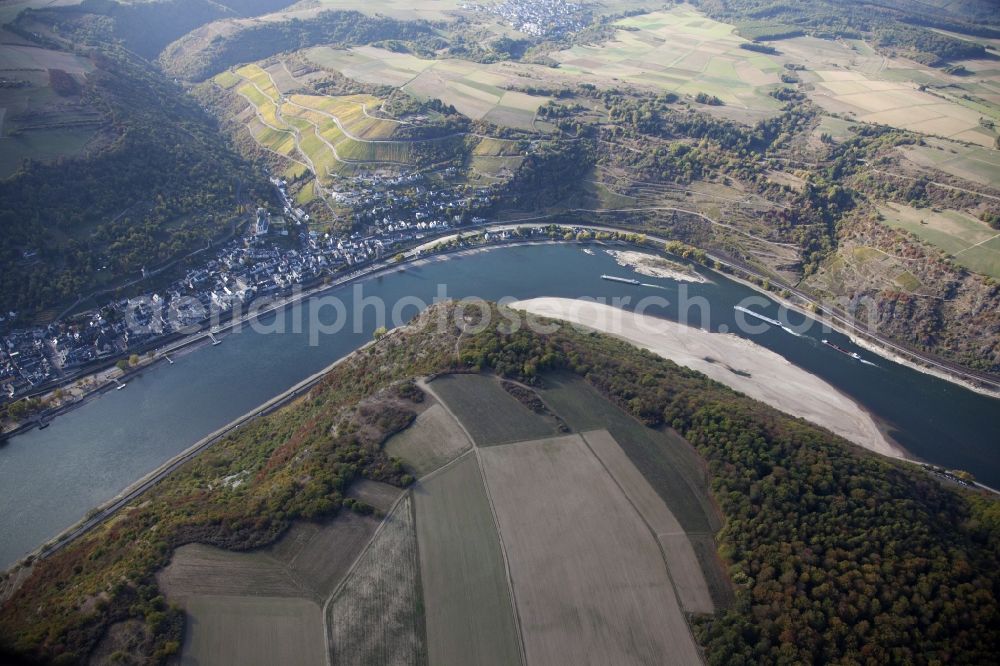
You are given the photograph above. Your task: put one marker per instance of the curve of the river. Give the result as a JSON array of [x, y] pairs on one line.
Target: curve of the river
[[50, 478]]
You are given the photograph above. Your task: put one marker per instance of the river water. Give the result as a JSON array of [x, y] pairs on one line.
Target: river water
[[50, 478]]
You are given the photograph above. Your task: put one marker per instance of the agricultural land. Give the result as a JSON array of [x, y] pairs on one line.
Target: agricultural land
[[598, 544], [966, 240], [460, 494]]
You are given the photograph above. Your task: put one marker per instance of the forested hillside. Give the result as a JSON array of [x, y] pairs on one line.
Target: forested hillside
[[163, 182], [837, 554]]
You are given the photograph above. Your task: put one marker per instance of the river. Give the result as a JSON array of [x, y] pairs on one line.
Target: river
[[50, 478]]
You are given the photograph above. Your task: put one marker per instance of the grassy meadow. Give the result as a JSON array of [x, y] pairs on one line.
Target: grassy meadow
[[970, 242], [973, 163]]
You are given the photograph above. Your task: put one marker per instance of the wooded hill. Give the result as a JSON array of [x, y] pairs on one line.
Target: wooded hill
[[160, 182], [839, 555]]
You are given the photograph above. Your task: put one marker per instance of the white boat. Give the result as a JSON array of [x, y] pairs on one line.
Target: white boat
[[772, 322], [614, 278]]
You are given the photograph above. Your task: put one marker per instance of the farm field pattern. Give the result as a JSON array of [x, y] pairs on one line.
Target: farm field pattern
[[515, 541]]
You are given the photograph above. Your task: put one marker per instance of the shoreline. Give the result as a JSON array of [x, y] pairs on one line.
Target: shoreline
[[874, 347], [197, 340], [652, 265], [736, 362], [414, 258], [105, 510]]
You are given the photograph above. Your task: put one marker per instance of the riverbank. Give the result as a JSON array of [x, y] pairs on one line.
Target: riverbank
[[879, 348], [736, 362], [88, 456], [637, 259], [651, 265], [18, 572]]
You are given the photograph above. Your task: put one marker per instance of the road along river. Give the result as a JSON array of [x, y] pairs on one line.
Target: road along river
[[51, 478]]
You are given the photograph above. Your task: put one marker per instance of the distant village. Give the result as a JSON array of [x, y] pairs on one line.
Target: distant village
[[277, 253], [540, 18]]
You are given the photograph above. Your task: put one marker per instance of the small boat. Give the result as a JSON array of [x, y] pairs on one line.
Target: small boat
[[120, 386], [614, 278], [42, 425], [587, 250]]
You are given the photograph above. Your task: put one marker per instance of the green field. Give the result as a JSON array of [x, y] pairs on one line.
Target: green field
[[682, 51], [837, 128], [974, 163], [42, 145], [488, 147], [489, 413], [970, 242], [366, 151], [35, 122], [470, 618]]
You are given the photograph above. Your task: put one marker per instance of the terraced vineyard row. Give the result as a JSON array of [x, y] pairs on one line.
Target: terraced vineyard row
[[328, 133]]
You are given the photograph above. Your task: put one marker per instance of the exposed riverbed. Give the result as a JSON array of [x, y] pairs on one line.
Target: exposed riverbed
[[50, 478]]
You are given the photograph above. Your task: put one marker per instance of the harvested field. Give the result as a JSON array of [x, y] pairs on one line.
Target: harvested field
[[253, 631], [197, 569], [433, 439], [328, 551], [589, 580], [375, 494], [848, 77], [470, 619], [667, 462], [308, 561], [685, 572], [376, 616], [490, 414]]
